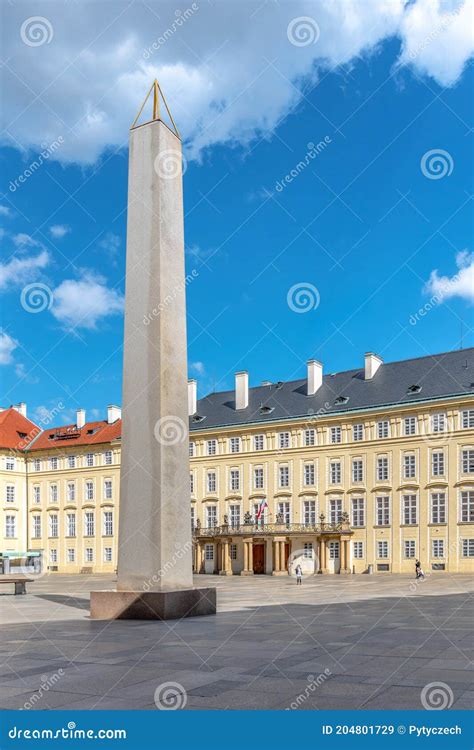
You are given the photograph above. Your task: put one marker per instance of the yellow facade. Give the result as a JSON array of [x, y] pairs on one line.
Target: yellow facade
[[403, 491]]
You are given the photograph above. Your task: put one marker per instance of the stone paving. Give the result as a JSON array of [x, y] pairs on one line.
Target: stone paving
[[337, 642]]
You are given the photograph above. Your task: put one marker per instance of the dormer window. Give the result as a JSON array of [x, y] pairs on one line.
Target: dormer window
[[414, 388]]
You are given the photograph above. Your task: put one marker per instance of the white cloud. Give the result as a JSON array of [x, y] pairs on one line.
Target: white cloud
[[22, 373], [197, 367], [5, 211], [23, 240], [58, 231], [229, 71], [85, 302], [461, 284], [110, 243], [7, 347], [19, 270]]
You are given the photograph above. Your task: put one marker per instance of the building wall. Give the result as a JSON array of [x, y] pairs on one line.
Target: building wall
[[425, 533]]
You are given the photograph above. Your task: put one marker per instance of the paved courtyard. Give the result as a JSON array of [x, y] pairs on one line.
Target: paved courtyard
[[337, 642]]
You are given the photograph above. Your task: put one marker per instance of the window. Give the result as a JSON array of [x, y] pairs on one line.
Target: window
[[283, 440], [234, 444], [382, 550], [438, 507], [357, 432], [88, 555], [437, 463], [209, 552], [467, 461], [409, 510], [71, 524], [409, 466], [409, 548], [258, 442], [108, 458], [357, 470], [37, 464], [308, 475], [284, 510], [234, 511], [382, 469], [53, 463], [383, 429], [211, 447], [308, 551], [438, 548], [191, 482], [37, 494], [53, 493], [309, 512], [382, 506], [335, 472], [335, 511], [358, 550], [10, 493], [258, 479], [438, 422], [284, 476], [468, 547], [335, 435], [108, 523], [193, 517], [467, 419], [191, 450], [53, 555], [71, 462], [71, 492], [262, 508], [89, 459], [333, 550], [233, 551], [309, 437], [211, 515], [9, 463], [107, 489], [358, 511], [107, 554], [89, 525], [409, 426], [89, 491], [10, 527], [36, 533], [53, 525], [234, 480], [467, 507], [71, 555], [211, 481]]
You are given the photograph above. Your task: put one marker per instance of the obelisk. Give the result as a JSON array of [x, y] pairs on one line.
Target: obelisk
[[155, 546]]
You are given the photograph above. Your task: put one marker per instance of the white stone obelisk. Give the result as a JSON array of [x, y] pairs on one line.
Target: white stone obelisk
[[155, 548]]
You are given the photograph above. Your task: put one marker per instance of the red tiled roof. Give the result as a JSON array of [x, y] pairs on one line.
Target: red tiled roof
[[16, 431], [69, 436]]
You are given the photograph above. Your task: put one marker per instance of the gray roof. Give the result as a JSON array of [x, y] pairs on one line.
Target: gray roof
[[439, 375]]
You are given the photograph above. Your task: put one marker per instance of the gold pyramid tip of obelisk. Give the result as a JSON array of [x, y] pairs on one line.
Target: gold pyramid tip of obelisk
[[158, 97]]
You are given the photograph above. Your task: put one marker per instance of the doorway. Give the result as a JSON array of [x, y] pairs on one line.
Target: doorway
[[334, 561], [259, 559]]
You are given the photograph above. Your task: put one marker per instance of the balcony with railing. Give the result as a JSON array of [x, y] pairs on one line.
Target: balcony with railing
[[251, 527]]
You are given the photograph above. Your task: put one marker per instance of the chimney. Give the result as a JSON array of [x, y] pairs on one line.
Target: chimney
[[113, 413], [21, 408], [241, 390], [315, 376], [80, 418], [372, 364], [192, 397]]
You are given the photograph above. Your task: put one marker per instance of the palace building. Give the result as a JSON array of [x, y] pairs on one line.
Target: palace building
[[352, 472]]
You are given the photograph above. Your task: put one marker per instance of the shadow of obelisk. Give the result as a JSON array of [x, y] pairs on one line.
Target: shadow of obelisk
[[155, 548]]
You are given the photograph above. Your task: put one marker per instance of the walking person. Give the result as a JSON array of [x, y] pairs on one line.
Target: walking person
[[299, 575], [418, 571]]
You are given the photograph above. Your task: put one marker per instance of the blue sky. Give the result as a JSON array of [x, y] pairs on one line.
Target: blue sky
[[367, 222]]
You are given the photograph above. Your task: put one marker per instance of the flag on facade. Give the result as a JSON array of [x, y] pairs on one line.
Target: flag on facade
[[261, 508]]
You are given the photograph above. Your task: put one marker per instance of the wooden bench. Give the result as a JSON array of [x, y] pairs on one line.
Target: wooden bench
[[19, 581]]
